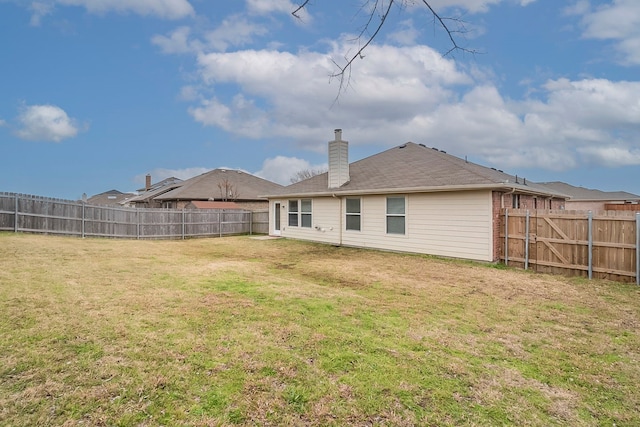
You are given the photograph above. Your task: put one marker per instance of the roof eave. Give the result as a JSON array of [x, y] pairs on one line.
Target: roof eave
[[522, 189]]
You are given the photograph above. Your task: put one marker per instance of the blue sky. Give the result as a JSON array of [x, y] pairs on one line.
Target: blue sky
[[95, 94]]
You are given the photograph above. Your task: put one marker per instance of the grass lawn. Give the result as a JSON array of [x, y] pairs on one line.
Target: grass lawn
[[238, 331]]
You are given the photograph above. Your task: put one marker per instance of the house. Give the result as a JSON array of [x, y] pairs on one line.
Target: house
[[221, 185], [146, 196], [410, 198], [109, 198], [586, 199]]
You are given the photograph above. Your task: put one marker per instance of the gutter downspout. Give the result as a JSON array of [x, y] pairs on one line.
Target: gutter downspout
[[513, 190]]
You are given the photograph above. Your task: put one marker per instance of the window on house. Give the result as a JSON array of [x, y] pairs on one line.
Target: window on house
[[395, 215], [353, 214], [515, 201], [300, 213], [293, 213], [305, 213]]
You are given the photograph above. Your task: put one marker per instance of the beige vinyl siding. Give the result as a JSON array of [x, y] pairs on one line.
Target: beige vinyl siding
[[325, 222], [456, 224]]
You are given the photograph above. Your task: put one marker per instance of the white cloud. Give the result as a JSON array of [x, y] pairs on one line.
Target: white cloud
[[177, 42], [2, 123], [286, 94], [580, 7], [264, 7], [234, 31], [407, 34], [281, 169], [189, 93], [411, 93], [612, 156], [473, 6], [39, 10], [167, 9], [45, 123], [618, 21]]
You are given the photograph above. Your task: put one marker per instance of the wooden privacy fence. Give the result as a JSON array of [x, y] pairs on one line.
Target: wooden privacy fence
[[603, 245], [19, 212]]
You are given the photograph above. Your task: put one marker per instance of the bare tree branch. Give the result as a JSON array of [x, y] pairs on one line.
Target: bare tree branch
[[302, 6], [454, 43], [343, 72], [303, 174], [228, 191]]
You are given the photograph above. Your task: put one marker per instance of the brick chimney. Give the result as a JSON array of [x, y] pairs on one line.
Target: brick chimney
[[147, 184], [338, 161]]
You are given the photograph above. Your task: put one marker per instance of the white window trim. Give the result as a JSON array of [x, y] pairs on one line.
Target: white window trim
[[404, 215], [299, 213], [347, 214]]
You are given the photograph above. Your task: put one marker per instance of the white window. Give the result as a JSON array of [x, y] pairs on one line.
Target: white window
[[515, 201], [353, 214], [293, 213], [305, 213], [395, 215], [300, 213]]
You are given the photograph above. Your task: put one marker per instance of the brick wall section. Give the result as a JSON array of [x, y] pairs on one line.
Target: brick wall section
[[530, 202], [557, 204]]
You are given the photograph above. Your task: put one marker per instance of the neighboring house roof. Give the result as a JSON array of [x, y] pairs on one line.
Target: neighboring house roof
[[156, 191], [202, 204], [165, 182], [109, 198], [587, 194], [414, 167], [206, 186]]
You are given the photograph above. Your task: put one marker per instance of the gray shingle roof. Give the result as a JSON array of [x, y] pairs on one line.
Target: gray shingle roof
[[156, 191], [167, 181], [110, 198], [588, 194], [415, 167], [205, 186]]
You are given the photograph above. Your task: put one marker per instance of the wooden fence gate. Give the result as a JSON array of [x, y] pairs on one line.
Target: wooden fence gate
[[600, 245]]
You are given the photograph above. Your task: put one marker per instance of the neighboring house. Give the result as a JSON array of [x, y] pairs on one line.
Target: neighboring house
[[109, 198], [222, 185], [586, 199], [146, 196], [409, 198]]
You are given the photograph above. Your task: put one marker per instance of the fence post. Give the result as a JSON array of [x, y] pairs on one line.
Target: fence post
[[138, 224], [220, 222], [15, 217], [250, 223], [526, 242], [590, 245], [638, 249], [506, 236], [183, 220], [83, 215]]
